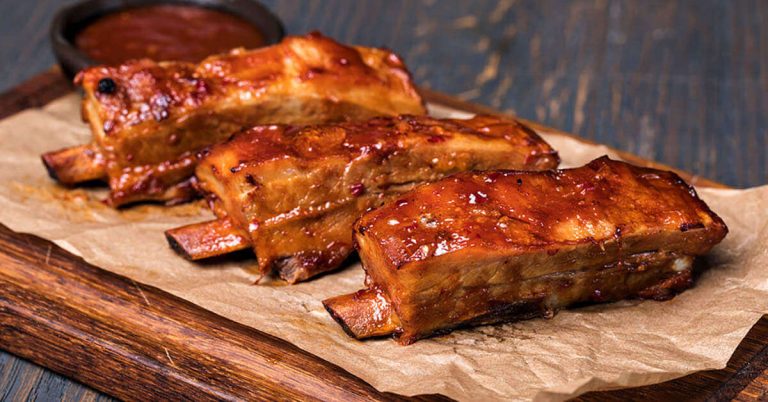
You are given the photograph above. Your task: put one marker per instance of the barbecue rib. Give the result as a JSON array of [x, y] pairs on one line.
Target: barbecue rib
[[479, 248], [294, 193], [149, 119]]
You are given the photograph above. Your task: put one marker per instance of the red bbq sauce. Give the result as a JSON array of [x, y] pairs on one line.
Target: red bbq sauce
[[165, 32]]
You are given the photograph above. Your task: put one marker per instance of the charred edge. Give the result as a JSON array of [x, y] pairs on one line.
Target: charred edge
[[718, 221], [48, 163], [176, 246], [684, 227], [669, 287], [510, 312], [143, 193], [356, 314], [206, 239], [308, 264], [502, 313], [291, 270], [339, 320], [73, 165], [295, 269]]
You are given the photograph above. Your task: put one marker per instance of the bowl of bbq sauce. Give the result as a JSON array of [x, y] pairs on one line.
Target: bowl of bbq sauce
[[111, 32]]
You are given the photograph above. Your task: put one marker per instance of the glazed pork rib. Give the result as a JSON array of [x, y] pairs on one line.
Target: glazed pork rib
[[293, 193], [149, 119], [480, 248]]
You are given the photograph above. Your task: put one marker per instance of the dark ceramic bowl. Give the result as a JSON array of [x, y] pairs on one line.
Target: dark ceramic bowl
[[69, 21]]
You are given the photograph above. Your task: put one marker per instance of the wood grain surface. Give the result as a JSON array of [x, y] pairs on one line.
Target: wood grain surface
[[138, 342], [681, 82]]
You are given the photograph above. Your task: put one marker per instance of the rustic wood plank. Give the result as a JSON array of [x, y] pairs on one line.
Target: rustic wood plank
[[713, 385], [447, 100], [757, 390], [750, 382], [35, 92], [676, 81]]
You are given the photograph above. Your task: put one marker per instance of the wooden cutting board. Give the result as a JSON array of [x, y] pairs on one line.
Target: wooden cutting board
[[117, 335]]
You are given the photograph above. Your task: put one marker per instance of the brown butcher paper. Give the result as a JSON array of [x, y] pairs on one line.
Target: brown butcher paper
[[623, 344]]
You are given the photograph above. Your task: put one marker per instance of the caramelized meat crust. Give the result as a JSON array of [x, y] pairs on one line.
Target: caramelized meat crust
[[149, 119], [485, 247], [296, 191]]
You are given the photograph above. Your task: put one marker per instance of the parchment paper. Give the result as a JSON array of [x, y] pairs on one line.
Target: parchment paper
[[623, 344]]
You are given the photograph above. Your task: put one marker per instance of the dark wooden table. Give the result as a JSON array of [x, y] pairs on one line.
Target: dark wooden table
[[681, 82]]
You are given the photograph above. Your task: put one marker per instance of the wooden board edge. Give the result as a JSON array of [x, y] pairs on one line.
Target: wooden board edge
[[35, 92], [150, 345]]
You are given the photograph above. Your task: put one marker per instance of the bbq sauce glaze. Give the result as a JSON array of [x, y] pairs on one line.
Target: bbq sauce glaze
[[165, 32]]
